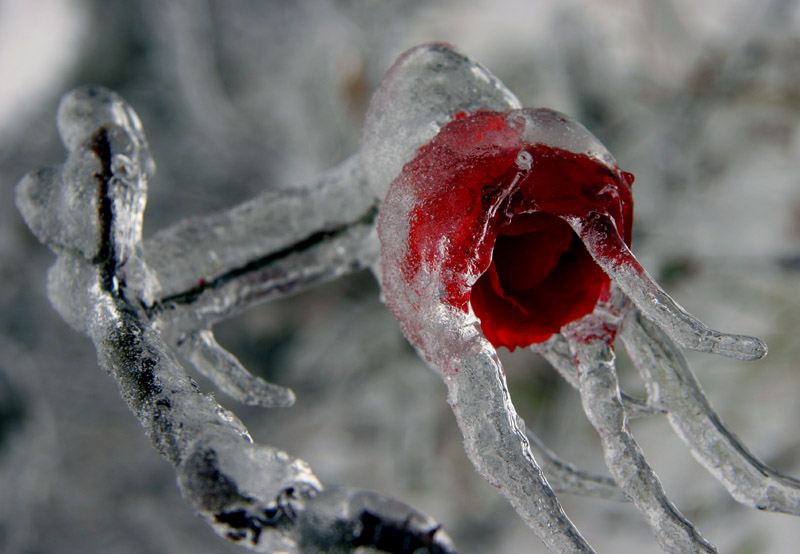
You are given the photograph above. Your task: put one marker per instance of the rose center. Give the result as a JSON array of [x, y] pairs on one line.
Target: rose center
[[541, 277], [543, 239]]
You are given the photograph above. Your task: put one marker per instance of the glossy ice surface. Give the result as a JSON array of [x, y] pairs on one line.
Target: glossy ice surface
[[519, 216], [490, 197]]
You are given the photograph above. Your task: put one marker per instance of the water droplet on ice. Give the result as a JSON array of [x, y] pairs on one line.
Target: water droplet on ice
[[524, 160]]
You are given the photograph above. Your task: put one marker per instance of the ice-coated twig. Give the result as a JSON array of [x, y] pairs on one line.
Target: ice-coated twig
[[256, 234], [310, 261], [186, 317], [229, 375], [89, 212], [565, 477], [590, 341], [495, 441], [612, 254], [666, 372], [211, 268], [556, 351]]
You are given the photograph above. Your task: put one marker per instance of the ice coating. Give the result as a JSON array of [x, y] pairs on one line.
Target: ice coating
[[487, 175], [89, 211], [526, 196], [208, 248], [495, 441], [420, 93], [591, 343], [611, 252], [89, 131], [557, 130], [521, 218], [668, 377], [506, 228]]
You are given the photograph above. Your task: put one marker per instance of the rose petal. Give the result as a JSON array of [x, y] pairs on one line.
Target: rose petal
[[537, 283]]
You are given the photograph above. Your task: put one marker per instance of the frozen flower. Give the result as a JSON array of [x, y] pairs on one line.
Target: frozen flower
[[504, 204], [510, 226]]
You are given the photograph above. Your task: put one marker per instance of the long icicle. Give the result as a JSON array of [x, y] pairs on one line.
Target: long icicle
[[611, 253], [665, 369], [590, 342], [495, 441]]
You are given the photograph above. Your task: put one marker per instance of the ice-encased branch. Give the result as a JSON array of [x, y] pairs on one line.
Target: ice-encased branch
[[261, 232], [556, 351], [591, 343], [211, 268], [667, 374], [89, 212]]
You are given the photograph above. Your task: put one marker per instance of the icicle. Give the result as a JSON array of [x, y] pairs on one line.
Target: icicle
[[229, 375], [495, 442], [590, 342], [612, 254], [665, 370]]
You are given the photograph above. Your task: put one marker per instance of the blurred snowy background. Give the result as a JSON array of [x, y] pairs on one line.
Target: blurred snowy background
[[700, 100]]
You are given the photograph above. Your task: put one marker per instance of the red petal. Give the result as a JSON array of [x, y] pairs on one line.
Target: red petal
[[528, 249], [537, 283]]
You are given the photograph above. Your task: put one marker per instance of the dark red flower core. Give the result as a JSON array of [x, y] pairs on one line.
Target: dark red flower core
[[541, 278]]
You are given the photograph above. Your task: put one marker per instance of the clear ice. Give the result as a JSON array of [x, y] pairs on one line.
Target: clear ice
[[140, 302], [89, 212]]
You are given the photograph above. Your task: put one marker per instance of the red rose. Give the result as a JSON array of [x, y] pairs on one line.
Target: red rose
[[490, 217]]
